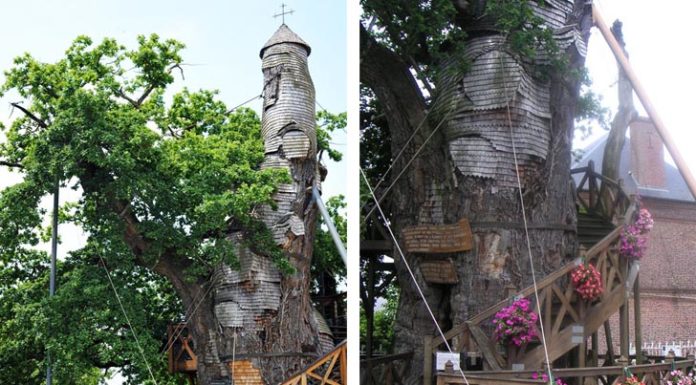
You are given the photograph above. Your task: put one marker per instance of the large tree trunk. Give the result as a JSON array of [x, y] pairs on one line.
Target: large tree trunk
[[467, 170]]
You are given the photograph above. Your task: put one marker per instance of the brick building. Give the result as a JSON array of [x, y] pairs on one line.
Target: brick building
[[668, 270]]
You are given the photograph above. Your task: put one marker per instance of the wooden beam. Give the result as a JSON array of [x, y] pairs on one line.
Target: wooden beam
[[645, 101], [636, 321], [487, 349], [427, 361]]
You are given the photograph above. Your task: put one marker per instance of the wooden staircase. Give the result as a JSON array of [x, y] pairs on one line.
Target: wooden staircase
[[568, 320]]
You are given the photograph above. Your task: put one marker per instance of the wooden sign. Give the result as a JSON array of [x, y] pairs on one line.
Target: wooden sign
[[438, 238]]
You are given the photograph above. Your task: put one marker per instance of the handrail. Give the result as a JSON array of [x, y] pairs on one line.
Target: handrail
[[385, 359], [647, 373], [597, 200], [590, 371], [336, 360], [389, 374]]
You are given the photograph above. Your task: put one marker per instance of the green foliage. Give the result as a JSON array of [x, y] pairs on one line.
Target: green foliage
[[525, 31], [590, 110], [82, 325], [384, 317], [423, 32], [329, 123]]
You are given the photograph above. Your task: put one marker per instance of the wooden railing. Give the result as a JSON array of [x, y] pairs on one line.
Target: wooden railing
[[568, 321], [330, 370], [386, 370], [599, 195], [650, 374]]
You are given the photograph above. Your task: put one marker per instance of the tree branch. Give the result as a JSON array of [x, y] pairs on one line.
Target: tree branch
[[124, 96], [148, 90], [33, 117], [10, 164], [389, 77]]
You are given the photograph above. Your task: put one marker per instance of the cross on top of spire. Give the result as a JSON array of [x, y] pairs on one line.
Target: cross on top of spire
[[283, 12]]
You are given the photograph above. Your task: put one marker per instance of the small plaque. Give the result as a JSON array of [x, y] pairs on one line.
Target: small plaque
[[438, 238], [518, 367], [441, 359]]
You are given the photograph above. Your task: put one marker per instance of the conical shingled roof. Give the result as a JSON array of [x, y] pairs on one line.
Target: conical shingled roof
[[285, 35]]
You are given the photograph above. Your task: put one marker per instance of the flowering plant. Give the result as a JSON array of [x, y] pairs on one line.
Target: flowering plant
[[677, 377], [633, 239], [516, 323], [587, 281], [631, 380], [545, 377], [644, 222]]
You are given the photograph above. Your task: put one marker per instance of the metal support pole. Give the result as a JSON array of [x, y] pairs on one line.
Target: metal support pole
[[52, 277], [329, 223], [645, 101]]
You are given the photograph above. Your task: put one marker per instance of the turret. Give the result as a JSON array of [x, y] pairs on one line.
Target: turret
[[288, 125]]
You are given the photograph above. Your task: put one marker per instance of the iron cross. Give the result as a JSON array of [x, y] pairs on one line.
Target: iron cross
[[283, 12]]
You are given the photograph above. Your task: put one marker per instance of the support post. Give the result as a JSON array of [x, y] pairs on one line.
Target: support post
[[427, 361], [623, 319], [637, 322], [645, 101], [595, 349], [610, 343], [52, 278]]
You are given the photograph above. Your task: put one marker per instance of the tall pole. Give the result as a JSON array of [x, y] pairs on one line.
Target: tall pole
[[52, 279]]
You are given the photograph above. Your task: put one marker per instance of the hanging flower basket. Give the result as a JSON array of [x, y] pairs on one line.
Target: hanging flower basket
[[677, 377], [516, 324], [633, 241], [587, 281]]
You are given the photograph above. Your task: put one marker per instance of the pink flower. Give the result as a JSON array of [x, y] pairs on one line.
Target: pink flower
[[515, 323]]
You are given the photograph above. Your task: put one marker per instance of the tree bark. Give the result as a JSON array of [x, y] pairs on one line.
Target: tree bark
[[444, 184], [264, 327]]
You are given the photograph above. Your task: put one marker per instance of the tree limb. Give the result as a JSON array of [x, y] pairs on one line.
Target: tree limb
[[28, 113], [390, 79], [10, 164], [148, 90]]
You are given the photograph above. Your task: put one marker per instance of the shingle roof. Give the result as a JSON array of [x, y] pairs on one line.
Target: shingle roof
[[285, 35], [675, 186]]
